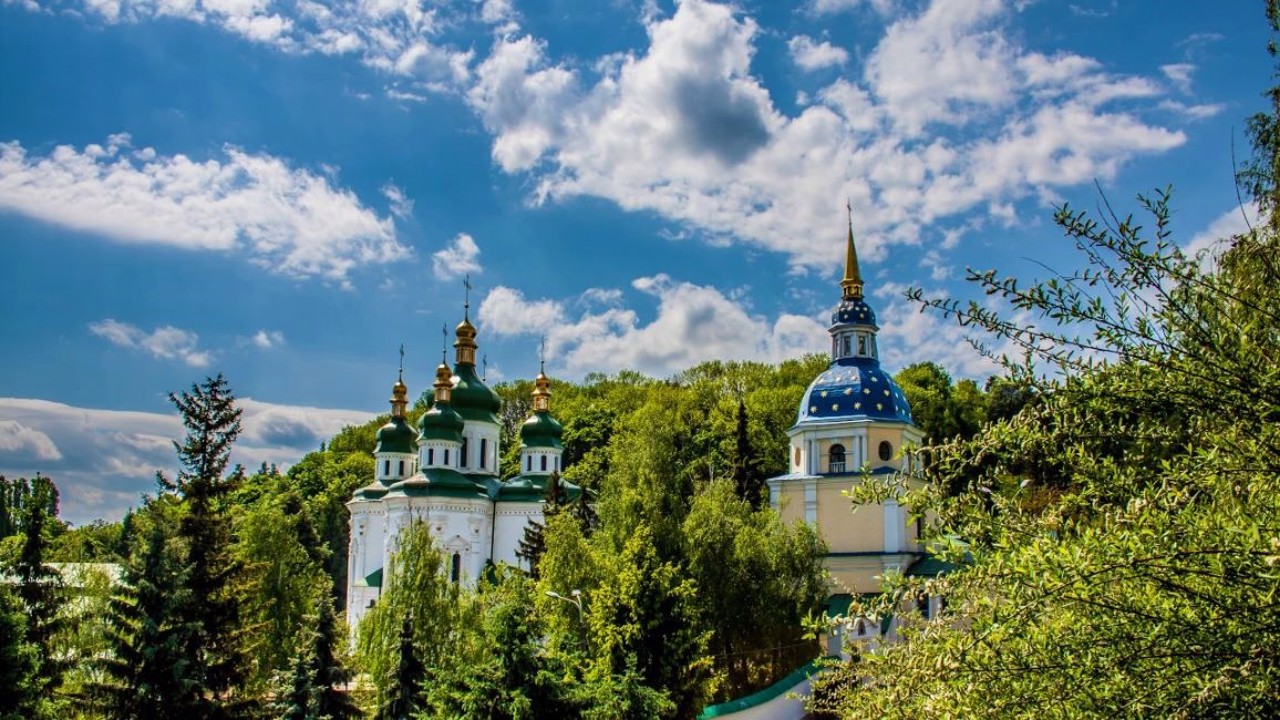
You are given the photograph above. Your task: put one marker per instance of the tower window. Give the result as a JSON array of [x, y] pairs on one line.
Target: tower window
[[402, 468], [846, 346], [835, 461], [455, 570], [544, 463], [431, 456], [862, 344], [886, 450], [462, 454], [484, 451], [446, 456], [528, 464], [386, 467]]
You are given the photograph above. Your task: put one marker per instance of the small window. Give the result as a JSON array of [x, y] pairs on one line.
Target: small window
[[922, 605], [484, 451], [836, 459], [455, 571], [402, 468], [544, 463], [446, 456], [462, 454], [886, 450], [386, 467], [862, 345], [797, 461], [431, 456], [528, 464], [846, 346]]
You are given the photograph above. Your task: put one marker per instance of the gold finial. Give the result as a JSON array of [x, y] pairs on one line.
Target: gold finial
[[466, 302], [465, 345], [484, 368], [399, 391], [851, 283], [444, 384], [541, 384], [444, 343]]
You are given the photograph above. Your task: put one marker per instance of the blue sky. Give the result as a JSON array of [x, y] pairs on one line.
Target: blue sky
[[287, 191]]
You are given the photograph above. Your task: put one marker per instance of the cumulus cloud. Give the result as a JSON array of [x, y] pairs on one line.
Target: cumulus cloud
[[812, 55], [166, 342], [401, 204], [682, 128], [1179, 74], [289, 221], [268, 339], [402, 38], [1236, 221], [117, 452], [457, 259], [693, 324]]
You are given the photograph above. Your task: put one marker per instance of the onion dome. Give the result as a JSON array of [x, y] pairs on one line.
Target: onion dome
[[541, 430], [854, 311], [471, 397], [441, 422], [854, 388], [397, 436]]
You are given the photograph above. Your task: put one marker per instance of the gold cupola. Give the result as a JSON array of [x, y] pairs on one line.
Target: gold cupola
[[542, 391], [851, 283], [444, 384]]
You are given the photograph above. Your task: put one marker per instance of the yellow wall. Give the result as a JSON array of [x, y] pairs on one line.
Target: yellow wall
[[844, 528]]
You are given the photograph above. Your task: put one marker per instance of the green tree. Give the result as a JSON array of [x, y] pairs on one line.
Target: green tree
[[212, 420], [19, 694], [40, 590], [747, 478], [147, 672], [531, 544], [403, 685]]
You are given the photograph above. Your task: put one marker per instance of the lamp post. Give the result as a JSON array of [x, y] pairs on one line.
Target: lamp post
[[574, 599]]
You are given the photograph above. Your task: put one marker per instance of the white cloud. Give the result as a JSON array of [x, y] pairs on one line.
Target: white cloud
[[118, 452], [165, 342], [693, 324], [289, 221], [685, 130], [1179, 74], [812, 55], [268, 339], [1199, 111], [19, 441], [1236, 221], [401, 204], [457, 259], [827, 7], [400, 37]]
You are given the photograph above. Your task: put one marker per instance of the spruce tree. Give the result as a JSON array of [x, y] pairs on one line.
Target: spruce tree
[[213, 422], [329, 672], [18, 692], [148, 675], [747, 478], [40, 588], [532, 545]]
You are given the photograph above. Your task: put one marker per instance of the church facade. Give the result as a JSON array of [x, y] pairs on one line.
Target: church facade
[[444, 473], [853, 420]]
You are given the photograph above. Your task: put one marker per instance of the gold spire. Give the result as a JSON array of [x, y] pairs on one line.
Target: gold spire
[[399, 391], [465, 345], [444, 384], [542, 384], [851, 283]]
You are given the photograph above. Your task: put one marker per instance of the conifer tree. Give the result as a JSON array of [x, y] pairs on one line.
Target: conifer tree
[[18, 695], [40, 588], [298, 700], [401, 699], [747, 478], [148, 674], [532, 544], [329, 671], [213, 422]]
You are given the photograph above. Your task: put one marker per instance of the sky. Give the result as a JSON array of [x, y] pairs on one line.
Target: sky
[[287, 191]]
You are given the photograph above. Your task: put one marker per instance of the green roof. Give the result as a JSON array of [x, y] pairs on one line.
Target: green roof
[[373, 579], [929, 566], [397, 436], [371, 492], [786, 684], [441, 422], [472, 398], [438, 482], [541, 431]]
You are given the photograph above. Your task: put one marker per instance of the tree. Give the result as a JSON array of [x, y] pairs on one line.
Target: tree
[[40, 590], [403, 685], [531, 544], [1117, 534], [747, 478], [312, 689], [148, 674], [212, 420], [19, 695]]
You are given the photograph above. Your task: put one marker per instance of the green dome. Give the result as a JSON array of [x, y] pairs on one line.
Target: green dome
[[472, 398], [541, 431], [441, 422], [397, 436]]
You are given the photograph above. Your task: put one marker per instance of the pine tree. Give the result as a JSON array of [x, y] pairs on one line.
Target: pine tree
[[532, 544], [40, 588], [213, 422], [748, 481], [298, 700], [402, 692], [148, 674]]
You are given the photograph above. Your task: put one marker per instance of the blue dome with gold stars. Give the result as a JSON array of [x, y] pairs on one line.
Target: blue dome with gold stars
[[853, 311], [851, 389]]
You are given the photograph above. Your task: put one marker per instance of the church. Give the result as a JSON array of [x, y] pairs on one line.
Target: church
[[853, 419]]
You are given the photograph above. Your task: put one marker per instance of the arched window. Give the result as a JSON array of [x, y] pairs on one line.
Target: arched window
[[484, 451], [544, 463], [455, 570], [846, 347], [431, 456], [835, 461], [886, 450], [862, 344], [401, 468], [446, 456], [386, 467], [462, 454]]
